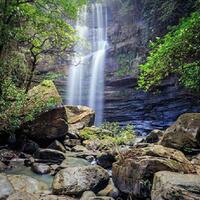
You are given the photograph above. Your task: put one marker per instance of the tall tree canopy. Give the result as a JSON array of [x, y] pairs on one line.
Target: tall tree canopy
[[30, 30], [33, 28]]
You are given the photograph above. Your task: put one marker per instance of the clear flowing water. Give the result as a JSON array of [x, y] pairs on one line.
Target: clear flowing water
[[86, 73]]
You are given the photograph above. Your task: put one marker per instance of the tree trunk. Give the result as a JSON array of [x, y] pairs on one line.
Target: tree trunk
[[31, 75]]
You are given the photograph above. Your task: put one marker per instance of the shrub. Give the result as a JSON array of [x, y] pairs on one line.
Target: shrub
[[110, 134], [15, 106], [178, 52]]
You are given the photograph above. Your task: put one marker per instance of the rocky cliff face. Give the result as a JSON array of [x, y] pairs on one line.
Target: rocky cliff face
[[130, 29], [132, 24], [147, 111]]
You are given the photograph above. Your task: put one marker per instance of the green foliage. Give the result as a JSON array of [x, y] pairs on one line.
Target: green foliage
[[13, 105], [110, 133], [12, 101], [162, 12], [15, 67], [177, 52], [36, 29], [30, 31], [47, 83], [125, 62], [53, 76]]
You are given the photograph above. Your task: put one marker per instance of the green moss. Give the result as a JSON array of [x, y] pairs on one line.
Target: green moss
[[109, 134], [47, 83], [88, 134], [125, 62]]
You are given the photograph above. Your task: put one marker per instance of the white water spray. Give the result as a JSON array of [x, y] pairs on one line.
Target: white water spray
[[86, 74]]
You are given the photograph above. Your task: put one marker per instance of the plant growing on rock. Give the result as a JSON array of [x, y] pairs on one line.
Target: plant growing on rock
[[125, 62], [17, 107], [109, 134]]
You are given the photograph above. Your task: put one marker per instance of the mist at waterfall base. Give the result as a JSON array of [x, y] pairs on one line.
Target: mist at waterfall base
[[86, 74]]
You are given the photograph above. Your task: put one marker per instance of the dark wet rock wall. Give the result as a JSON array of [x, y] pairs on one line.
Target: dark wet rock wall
[[147, 111]]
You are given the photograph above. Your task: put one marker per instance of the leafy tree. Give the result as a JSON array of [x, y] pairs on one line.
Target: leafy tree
[[177, 52], [36, 27], [30, 30]]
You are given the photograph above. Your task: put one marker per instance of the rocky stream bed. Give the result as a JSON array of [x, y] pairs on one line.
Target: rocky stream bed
[[48, 159]]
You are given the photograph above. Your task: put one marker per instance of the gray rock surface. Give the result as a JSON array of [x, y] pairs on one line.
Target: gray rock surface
[[74, 162], [135, 169], [184, 133], [6, 187], [57, 146], [22, 196], [50, 154], [27, 184], [40, 168], [170, 185], [77, 180], [87, 195]]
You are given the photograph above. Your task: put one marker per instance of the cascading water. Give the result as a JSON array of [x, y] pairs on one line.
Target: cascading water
[[86, 73]]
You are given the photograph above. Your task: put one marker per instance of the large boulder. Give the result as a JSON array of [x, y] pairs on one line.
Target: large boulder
[[76, 180], [15, 186], [39, 98], [184, 133], [43, 93], [50, 119], [170, 185], [79, 117], [50, 155], [40, 168], [47, 127], [133, 172]]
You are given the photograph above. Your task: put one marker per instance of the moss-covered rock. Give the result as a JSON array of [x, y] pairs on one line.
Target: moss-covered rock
[[107, 138], [23, 107], [43, 95], [45, 120]]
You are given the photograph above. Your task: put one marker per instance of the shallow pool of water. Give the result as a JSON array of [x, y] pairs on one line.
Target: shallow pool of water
[[19, 169]]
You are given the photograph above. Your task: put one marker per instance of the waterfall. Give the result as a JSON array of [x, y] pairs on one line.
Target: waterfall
[[86, 73]]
